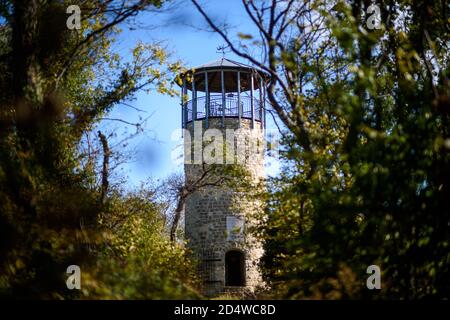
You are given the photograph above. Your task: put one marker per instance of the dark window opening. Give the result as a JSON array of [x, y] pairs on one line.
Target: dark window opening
[[234, 268]]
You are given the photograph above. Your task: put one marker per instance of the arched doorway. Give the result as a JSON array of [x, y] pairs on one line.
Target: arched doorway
[[234, 268]]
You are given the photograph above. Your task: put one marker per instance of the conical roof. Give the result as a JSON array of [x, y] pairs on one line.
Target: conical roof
[[224, 62]]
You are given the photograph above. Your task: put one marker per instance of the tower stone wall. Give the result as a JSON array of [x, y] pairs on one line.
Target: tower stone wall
[[217, 218]]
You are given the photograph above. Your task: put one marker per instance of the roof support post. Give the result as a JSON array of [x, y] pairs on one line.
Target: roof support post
[[239, 96], [222, 80], [206, 100], [264, 104], [252, 103], [182, 107], [261, 102], [184, 103], [194, 99]]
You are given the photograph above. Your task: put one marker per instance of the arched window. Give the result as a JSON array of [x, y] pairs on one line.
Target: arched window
[[234, 268]]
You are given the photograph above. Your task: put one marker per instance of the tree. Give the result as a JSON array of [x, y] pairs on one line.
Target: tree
[[139, 260], [366, 136], [56, 84]]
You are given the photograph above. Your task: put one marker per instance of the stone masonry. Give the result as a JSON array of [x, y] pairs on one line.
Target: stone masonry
[[217, 217]]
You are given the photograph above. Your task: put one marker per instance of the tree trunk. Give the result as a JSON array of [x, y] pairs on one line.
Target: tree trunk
[[105, 170], [180, 208]]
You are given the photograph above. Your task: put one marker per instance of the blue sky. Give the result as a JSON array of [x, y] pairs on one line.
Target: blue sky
[[183, 31]]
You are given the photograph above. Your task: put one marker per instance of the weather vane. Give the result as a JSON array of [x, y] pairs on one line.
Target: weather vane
[[222, 49]]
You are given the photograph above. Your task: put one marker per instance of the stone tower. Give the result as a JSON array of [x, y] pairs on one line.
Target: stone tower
[[223, 99]]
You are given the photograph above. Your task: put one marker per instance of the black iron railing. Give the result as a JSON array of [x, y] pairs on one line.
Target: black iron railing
[[232, 110]]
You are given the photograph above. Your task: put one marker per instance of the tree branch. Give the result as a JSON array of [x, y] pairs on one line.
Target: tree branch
[[105, 170]]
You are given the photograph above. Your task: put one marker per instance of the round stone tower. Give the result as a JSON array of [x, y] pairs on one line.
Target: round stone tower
[[223, 114]]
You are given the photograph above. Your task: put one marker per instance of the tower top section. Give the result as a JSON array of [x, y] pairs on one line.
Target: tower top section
[[230, 68], [223, 89]]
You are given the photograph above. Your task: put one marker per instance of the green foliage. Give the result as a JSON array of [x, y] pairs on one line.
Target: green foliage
[[138, 261], [52, 214], [373, 188]]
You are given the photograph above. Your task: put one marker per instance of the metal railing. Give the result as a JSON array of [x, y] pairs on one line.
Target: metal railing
[[215, 107]]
